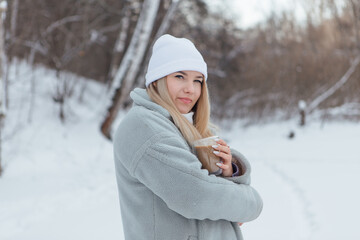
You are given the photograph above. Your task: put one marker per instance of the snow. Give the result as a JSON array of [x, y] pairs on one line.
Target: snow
[[302, 105], [308, 184], [59, 180], [3, 5]]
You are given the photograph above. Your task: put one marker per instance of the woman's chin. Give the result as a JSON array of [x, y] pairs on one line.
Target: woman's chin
[[183, 109]]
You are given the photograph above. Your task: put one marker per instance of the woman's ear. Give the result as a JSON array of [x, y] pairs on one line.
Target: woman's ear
[[154, 83]]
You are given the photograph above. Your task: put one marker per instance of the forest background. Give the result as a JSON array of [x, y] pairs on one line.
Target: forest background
[[269, 72]]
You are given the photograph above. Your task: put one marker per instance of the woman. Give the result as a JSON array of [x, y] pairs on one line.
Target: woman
[[164, 193]]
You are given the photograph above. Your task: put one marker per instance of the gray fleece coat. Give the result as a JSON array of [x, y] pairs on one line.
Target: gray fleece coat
[[164, 194]]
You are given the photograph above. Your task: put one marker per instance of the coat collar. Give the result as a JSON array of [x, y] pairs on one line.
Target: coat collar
[[141, 98]]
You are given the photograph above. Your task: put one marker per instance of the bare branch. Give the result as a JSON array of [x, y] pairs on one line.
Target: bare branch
[[34, 45], [334, 88], [60, 22]]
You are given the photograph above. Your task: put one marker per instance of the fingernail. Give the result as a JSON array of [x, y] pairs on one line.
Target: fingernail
[[216, 152], [219, 164], [215, 146]]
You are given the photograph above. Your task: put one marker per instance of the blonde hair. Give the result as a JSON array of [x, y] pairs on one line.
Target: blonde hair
[[201, 127]]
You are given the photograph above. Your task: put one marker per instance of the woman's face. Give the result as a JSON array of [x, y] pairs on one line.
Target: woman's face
[[184, 88]]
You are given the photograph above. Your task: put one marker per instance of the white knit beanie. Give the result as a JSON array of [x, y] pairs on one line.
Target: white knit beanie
[[171, 54]]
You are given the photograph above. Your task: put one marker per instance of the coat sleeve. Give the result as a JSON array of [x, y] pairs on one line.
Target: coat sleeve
[[244, 167], [174, 174]]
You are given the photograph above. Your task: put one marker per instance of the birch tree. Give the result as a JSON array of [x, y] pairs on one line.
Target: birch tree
[[120, 44], [165, 25], [13, 26], [3, 8], [14, 13], [130, 64]]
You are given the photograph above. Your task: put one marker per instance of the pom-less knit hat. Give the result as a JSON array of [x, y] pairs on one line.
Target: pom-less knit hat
[[171, 54]]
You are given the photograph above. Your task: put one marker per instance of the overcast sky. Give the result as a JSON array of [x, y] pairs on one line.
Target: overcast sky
[[249, 12]]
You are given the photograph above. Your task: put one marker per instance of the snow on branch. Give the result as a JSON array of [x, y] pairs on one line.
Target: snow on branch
[[35, 45], [316, 102]]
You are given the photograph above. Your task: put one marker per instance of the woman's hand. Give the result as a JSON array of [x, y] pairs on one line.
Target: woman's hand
[[223, 151]]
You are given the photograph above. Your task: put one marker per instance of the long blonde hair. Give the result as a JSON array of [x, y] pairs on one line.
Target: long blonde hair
[[201, 127]]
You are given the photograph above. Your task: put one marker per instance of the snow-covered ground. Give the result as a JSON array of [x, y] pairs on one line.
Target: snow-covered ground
[[308, 184], [59, 180]]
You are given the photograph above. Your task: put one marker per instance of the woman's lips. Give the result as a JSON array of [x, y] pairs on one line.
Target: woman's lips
[[185, 100]]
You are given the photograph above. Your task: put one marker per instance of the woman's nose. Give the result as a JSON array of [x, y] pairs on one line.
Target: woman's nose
[[189, 87]]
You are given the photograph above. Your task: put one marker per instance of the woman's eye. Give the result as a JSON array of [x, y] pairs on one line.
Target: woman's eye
[[199, 81], [179, 76]]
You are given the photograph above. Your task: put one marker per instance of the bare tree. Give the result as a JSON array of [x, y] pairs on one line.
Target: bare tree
[[14, 13], [3, 8], [164, 26], [355, 5], [130, 64], [12, 35], [316, 102], [131, 76], [119, 44], [254, 72]]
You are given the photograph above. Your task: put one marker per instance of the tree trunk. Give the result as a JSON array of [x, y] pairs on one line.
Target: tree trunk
[[119, 46], [14, 13], [3, 8], [130, 64], [356, 13], [165, 25], [13, 26]]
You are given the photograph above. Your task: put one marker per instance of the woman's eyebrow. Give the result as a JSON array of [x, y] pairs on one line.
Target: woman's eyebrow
[[182, 73]]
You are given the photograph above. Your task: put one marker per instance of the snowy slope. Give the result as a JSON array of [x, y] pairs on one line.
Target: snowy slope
[[59, 180]]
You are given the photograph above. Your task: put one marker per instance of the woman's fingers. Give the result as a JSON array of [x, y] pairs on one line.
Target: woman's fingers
[[223, 151], [222, 148], [221, 142], [225, 156], [222, 166]]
